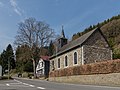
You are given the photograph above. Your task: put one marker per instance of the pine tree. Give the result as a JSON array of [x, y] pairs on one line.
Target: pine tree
[[51, 49], [10, 56], [3, 61]]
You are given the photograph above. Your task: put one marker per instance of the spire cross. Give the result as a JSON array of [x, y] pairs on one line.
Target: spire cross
[[62, 27], [62, 34]]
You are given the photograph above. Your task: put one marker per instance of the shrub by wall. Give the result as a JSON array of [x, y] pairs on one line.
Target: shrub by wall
[[110, 66]]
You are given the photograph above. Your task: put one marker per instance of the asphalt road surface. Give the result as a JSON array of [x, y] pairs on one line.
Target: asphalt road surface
[[26, 84]]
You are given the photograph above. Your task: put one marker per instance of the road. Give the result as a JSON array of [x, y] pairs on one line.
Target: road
[[26, 84]]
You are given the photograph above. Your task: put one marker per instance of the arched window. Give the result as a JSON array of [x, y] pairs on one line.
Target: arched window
[[66, 61], [75, 58], [59, 63]]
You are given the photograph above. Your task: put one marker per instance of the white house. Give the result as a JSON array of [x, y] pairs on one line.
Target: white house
[[42, 69]]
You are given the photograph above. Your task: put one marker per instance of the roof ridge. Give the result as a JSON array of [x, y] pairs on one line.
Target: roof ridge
[[87, 33], [76, 42]]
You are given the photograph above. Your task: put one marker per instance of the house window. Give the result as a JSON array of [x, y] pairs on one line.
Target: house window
[[59, 63], [66, 61], [75, 58], [42, 64], [40, 72]]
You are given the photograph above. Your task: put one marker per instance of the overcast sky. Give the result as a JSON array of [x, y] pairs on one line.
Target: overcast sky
[[75, 15]]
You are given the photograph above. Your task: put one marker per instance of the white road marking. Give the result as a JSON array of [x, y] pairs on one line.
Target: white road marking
[[17, 81], [28, 84], [31, 85], [25, 84], [8, 84], [40, 88]]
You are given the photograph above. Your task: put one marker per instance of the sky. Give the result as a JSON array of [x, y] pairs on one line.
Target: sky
[[74, 15]]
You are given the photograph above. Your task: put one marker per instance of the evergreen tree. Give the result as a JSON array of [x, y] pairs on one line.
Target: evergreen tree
[[51, 49], [3, 61], [10, 56], [22, 57]]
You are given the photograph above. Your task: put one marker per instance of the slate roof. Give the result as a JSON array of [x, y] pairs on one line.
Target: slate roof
[[78, 42]]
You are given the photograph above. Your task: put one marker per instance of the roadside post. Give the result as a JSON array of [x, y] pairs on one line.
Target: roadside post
[[0, 71]]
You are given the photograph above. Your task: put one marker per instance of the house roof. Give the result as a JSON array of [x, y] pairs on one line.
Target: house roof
[[46, 58], [78, 42]]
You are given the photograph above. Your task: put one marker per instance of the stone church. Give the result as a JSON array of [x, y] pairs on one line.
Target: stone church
[[91, 47]]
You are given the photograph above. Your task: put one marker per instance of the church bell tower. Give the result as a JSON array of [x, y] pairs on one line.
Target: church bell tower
[[62, 40]]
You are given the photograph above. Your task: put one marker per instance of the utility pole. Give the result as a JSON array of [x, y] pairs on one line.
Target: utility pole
[[34, 68], [8, 69]]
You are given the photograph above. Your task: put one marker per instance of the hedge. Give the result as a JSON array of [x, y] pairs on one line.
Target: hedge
[[106, 67], [5, 77]]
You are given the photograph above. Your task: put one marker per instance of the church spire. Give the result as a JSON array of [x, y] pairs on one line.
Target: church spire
[[62, 40], [62, 33]]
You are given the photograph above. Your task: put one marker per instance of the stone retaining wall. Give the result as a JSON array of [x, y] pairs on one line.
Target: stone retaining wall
[[98, 79]]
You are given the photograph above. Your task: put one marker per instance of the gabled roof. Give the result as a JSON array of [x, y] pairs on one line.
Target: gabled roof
[[46, 58], [78, 42]]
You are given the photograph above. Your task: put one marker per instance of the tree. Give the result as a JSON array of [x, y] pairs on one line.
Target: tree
[[7, 56], [28, 66], [35, 34], [10, 56], [3, 61], [22, 57], [51, 48]]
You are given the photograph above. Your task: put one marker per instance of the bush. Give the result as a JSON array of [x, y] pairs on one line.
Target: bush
[[25, 74], [28, 67], [111, 66], [5, 78]]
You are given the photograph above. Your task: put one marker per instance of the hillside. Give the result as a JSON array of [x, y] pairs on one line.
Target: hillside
[[111, 30]]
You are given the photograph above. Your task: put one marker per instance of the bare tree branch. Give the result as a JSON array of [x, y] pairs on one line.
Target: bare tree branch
[[35, 34]]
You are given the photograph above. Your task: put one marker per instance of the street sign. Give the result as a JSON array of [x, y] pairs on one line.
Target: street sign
[[0, 70]]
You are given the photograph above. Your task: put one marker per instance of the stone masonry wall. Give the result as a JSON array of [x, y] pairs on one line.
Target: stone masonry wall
[[101, 73], [94, 54], [96, 39], [112, 79], [96, 49]]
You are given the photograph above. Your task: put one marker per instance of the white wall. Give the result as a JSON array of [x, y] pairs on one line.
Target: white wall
[[39, 66]]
